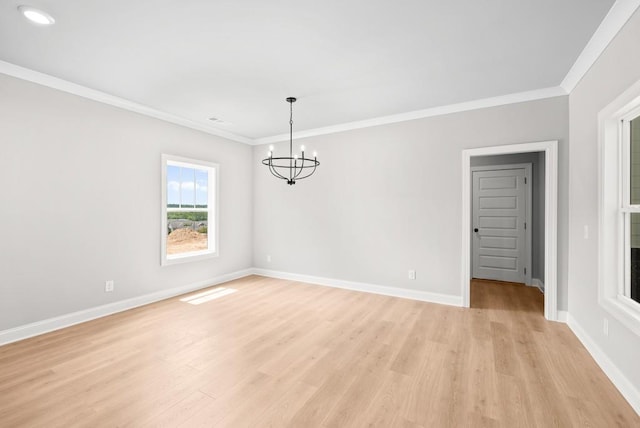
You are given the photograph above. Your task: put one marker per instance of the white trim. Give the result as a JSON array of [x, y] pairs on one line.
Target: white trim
[[92, 94], [535, 282], [610, 26], [528, 168], [550, 148], [519, 97], [563, 316], [617, 377], [613, 22], [102, 97], [424, 296], [82, 91], [67, 320]]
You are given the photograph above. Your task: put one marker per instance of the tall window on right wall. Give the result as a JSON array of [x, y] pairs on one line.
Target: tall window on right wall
[[619, 208], [631, 207]]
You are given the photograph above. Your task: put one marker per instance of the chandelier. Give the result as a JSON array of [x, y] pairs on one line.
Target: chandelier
[[292, 167]]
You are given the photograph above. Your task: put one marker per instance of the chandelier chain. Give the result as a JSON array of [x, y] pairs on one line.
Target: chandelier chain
[[291, 168]]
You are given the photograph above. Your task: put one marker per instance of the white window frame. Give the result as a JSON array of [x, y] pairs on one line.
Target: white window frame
[[212, 210], [614, 249]]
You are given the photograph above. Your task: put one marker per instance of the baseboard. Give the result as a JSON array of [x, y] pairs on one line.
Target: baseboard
[[67, 320], [620, 381], [535, 282], [404, 293], [562, 316]]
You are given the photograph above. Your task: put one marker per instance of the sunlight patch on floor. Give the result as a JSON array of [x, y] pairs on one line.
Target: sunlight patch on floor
[[207, 296]]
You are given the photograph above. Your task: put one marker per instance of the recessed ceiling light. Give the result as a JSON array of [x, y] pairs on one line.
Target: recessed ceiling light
[[36, 16], [219, 121]]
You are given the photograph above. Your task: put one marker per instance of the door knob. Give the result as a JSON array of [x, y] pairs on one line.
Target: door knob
[[475, 230]]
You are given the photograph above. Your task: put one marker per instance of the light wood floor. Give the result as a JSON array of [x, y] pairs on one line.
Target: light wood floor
[[281, 354]]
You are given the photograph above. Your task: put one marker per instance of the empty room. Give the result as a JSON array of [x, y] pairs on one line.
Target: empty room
[[320, 214]]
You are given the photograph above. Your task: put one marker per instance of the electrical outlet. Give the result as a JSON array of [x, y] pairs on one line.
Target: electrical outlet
[[605, 327], [268, 258], [108, 286], [412, 274]]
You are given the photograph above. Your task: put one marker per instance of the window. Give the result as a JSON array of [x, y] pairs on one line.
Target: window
[[619, 252], [631, 208], [189, 209]]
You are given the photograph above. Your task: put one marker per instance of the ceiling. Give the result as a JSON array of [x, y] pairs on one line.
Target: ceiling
[[346, 61]]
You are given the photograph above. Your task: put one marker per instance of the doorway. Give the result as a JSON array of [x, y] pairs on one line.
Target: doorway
[[549, 151]]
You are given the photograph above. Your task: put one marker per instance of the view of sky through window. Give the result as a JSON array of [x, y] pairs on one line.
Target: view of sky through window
[[186, 187]]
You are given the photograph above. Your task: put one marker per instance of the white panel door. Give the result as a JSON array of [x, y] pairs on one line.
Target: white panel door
[[499, 216]]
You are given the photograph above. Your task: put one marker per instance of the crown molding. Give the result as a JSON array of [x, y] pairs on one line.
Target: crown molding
[[610, 26], [612, 23], [420, 114], [92, 94], [102, 97]]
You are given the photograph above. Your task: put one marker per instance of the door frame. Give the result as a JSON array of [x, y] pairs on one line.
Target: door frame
[[550, 149], [528, 211]]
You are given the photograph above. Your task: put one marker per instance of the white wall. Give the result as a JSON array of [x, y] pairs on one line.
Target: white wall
[[81, 203], [537, 201], [614, 72], [387, 199]]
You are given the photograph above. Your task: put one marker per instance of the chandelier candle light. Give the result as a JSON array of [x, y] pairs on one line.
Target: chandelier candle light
[[293, 167]]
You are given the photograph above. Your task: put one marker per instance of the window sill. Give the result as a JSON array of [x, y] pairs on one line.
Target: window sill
[[624, 310]]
